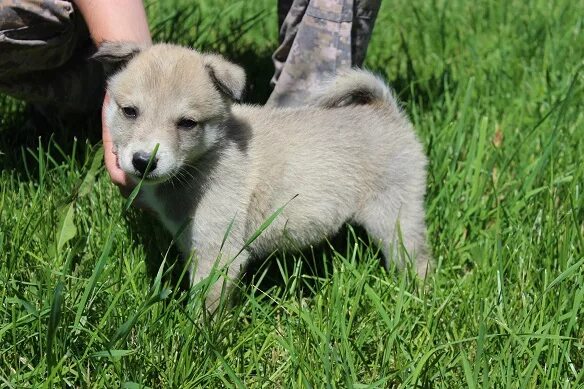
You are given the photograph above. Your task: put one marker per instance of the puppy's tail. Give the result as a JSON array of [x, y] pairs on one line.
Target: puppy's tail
[[355, 87]]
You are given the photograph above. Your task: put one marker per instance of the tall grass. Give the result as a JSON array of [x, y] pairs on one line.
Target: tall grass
[[495, 90]]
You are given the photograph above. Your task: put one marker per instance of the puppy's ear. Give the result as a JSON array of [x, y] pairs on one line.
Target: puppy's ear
[[114, 55], [228, 77]]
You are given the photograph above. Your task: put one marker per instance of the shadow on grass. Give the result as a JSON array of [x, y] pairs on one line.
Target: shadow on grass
[[309, 266], [259, 69], [24, 130]]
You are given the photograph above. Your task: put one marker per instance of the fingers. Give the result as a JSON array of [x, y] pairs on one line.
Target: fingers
[[117, 175]]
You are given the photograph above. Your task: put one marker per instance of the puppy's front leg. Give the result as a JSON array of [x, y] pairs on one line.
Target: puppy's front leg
[[216, 268]]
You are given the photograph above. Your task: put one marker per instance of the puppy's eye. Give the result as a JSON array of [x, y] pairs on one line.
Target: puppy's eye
[[186, 124], [130, 112]]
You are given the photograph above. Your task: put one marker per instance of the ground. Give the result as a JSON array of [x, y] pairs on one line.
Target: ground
[[495, 90]]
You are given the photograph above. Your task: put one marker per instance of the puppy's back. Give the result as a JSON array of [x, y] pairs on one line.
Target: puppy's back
[[333, 159]]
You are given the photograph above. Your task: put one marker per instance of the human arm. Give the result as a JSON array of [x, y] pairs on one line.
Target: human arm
[[115, 20]]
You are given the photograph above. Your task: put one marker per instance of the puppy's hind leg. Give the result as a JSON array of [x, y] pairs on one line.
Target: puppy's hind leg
[[397, 224]]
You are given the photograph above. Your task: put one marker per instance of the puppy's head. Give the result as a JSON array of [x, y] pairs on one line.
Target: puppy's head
[[168, 96]]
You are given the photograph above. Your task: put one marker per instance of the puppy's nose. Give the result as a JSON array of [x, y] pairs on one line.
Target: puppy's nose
[[140, 161]]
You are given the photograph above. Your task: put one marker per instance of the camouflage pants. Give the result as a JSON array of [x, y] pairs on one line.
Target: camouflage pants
[[318, 38], [45, 45], [44, 50]]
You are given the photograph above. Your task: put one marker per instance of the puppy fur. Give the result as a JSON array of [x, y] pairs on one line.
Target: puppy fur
[[350, 155]]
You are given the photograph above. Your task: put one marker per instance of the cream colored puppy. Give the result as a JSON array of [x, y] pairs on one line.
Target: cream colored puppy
[[350, 156]]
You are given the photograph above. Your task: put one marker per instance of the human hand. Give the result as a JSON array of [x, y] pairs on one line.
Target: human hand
[[117, 175], [123, 21]]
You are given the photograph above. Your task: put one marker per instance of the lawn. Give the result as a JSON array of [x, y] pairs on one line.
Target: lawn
[[495, 90]]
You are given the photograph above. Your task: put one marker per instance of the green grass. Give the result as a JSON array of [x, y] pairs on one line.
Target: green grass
[[496, 92]]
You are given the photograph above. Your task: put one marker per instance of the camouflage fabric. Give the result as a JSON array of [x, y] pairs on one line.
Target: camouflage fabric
[[317, 38], [44, 46]]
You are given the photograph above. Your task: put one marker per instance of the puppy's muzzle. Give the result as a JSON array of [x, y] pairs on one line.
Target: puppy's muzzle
[[140, 162]]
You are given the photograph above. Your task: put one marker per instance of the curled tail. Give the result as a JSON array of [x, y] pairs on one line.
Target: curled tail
[[355, 87]]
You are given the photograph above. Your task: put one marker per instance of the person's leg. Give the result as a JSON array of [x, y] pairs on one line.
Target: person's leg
[[290, 14], [319, 42], [318, 38], [364, 15], [44, 51]]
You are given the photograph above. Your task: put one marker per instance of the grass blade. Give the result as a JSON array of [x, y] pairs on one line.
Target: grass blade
[[53, 324], [93, 279]]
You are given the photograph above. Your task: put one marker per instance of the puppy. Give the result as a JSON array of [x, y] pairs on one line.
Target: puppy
[[350, 156]]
